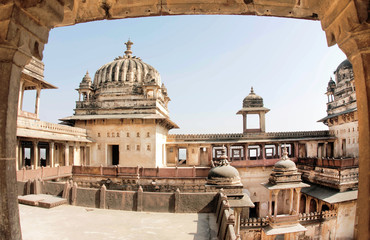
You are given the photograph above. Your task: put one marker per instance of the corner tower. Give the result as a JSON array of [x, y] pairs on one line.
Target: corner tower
[[125, 112], [253, 104]]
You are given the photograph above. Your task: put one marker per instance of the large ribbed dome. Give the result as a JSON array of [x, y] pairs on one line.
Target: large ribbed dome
[[127, 70], [344, 65]]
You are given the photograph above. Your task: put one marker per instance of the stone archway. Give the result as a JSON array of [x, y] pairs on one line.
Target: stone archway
[[25, 25]]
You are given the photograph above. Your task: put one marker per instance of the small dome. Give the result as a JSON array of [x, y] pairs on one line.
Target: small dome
[[86, 81], [285, 165], [252, 100], [127, 70], [223, 174], [331, 82], [344, 65]]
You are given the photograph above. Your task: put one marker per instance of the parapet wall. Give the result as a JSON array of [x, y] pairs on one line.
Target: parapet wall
[[250, 136], [173, 202]]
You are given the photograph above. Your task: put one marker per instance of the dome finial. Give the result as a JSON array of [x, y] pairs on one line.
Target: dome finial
[[223, 157], [252, 91], [87, 77], [285, 153], [128, 44]]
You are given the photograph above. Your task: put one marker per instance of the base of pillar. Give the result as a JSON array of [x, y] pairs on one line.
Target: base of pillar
[[10, 228]]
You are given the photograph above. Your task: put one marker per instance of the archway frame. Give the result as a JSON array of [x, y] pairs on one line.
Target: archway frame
[[25, 25]]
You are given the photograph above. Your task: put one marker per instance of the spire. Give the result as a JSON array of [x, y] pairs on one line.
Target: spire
[[128, 51]]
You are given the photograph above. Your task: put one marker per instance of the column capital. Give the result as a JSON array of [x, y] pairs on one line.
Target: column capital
[[341, 19]]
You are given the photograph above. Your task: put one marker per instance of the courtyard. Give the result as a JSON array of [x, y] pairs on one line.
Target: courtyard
[[71, 222]]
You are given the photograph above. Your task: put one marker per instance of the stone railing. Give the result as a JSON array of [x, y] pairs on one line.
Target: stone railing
[[44, 173], [49, 127], [141, 172], [303, 217], [254, 222], [225, 219], [266, 135], [329, 162]]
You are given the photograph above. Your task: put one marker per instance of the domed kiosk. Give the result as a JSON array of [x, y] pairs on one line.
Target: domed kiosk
[[124, 110], [253, 104], [284, 187]]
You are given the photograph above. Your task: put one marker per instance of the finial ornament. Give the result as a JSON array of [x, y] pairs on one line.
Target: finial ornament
[[252, 91], [285, 154], [223, 158], [128, 44]]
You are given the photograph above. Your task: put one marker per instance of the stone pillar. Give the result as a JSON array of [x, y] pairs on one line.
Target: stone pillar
[[325, 150], [298, 192], [263, 151], [228, 149], [237, 212], [11, 64], [276, 150], [51, 153], [85, 156], [20, 97], [17, 156], [346, 23], [276, 192], [36, 157], [291, 201], [246, 151], [66, 154], [262, 121], [296, 149], [308, 200], [270, 203], [24, 28], [244, 122], [37, 103], [209, 152]]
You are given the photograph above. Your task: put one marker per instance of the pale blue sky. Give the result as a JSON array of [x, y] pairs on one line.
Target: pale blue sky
[[208, 64]]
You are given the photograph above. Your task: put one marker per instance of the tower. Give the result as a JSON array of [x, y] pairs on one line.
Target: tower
[[253, 104]]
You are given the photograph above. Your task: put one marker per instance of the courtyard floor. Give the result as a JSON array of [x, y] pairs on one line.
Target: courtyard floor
[[70, 222]]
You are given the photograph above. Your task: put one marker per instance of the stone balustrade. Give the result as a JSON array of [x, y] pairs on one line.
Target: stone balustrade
[[49, 127], [303, 217], [254, 222], [313, 216]]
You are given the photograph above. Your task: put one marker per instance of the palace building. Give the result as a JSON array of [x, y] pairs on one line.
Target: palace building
[[277, 184]]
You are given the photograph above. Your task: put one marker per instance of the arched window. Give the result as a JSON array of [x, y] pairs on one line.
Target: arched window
[[313, 206], [325, 208]]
